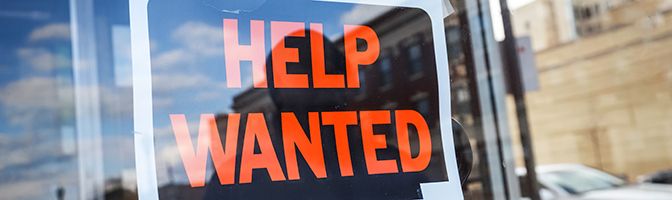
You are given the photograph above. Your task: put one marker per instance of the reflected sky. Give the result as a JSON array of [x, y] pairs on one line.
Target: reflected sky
[[187, 45], [36, 115], [37, 123], [38, 140]]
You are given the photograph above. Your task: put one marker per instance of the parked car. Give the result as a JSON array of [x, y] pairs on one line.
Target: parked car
[[575, 181], [661, 177]]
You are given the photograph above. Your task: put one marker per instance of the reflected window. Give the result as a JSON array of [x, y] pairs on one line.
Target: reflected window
[[362, 83], [386, 72], [453, 37], [423, 106], [415, 59]]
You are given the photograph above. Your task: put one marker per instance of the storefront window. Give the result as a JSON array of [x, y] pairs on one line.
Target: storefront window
[[344, 99]]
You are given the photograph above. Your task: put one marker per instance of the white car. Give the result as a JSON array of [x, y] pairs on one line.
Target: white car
[[574, 181]]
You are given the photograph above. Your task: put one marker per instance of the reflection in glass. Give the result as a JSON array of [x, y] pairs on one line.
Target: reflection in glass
[[41, 94], [37, 126], [189, 46]]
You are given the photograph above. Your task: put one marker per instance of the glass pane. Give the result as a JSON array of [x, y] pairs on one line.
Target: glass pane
[[37, 123], [598, 91], [274, 88], [67, 106], [66, 127]]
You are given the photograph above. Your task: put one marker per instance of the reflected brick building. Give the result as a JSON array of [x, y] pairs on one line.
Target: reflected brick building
[[406, 51]]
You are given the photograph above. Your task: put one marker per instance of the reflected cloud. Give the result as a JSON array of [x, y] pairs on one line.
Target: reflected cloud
[[173, 82], [41, 59], [25, 106], [30, 15], [173, 58], [162, 102], [37, 162], [200, 38], [115, 102], [208, 96], [195, 40], [19, 159], [56, 31], [166, 132], [4, 139], [42, 187], [168, 156]]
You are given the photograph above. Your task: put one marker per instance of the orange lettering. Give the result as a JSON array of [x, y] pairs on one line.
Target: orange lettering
[[208, 136], [355, 58], [372, 142], [281, 55], [256, 129], [293, 135], [320, 77], [340, 121], [409, 164], [234, 53]]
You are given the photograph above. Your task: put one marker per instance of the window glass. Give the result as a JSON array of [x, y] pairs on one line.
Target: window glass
[[311, 68], [597, 82], [580, 181], [362, 81], [573, 91], [37, 123], [68, 113], [415, 59], [53, 145], [386, 71]]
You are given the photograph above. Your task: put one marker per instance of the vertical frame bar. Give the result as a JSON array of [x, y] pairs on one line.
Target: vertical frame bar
[[498, 89], [87, 100], [491, 91], [143, 125], [481, 64]]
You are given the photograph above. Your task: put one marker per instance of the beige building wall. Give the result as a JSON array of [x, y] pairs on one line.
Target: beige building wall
[[606, 99], [547, 22]]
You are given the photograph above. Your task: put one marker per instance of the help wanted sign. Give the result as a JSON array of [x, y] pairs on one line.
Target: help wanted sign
[[291, 100]]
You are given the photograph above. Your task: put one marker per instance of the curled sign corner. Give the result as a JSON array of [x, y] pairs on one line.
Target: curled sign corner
[[447, 8]]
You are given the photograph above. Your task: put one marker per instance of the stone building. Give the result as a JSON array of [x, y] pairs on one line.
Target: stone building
[[605, 97]]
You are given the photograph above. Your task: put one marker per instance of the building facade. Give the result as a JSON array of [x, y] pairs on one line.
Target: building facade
[[604, 97]]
